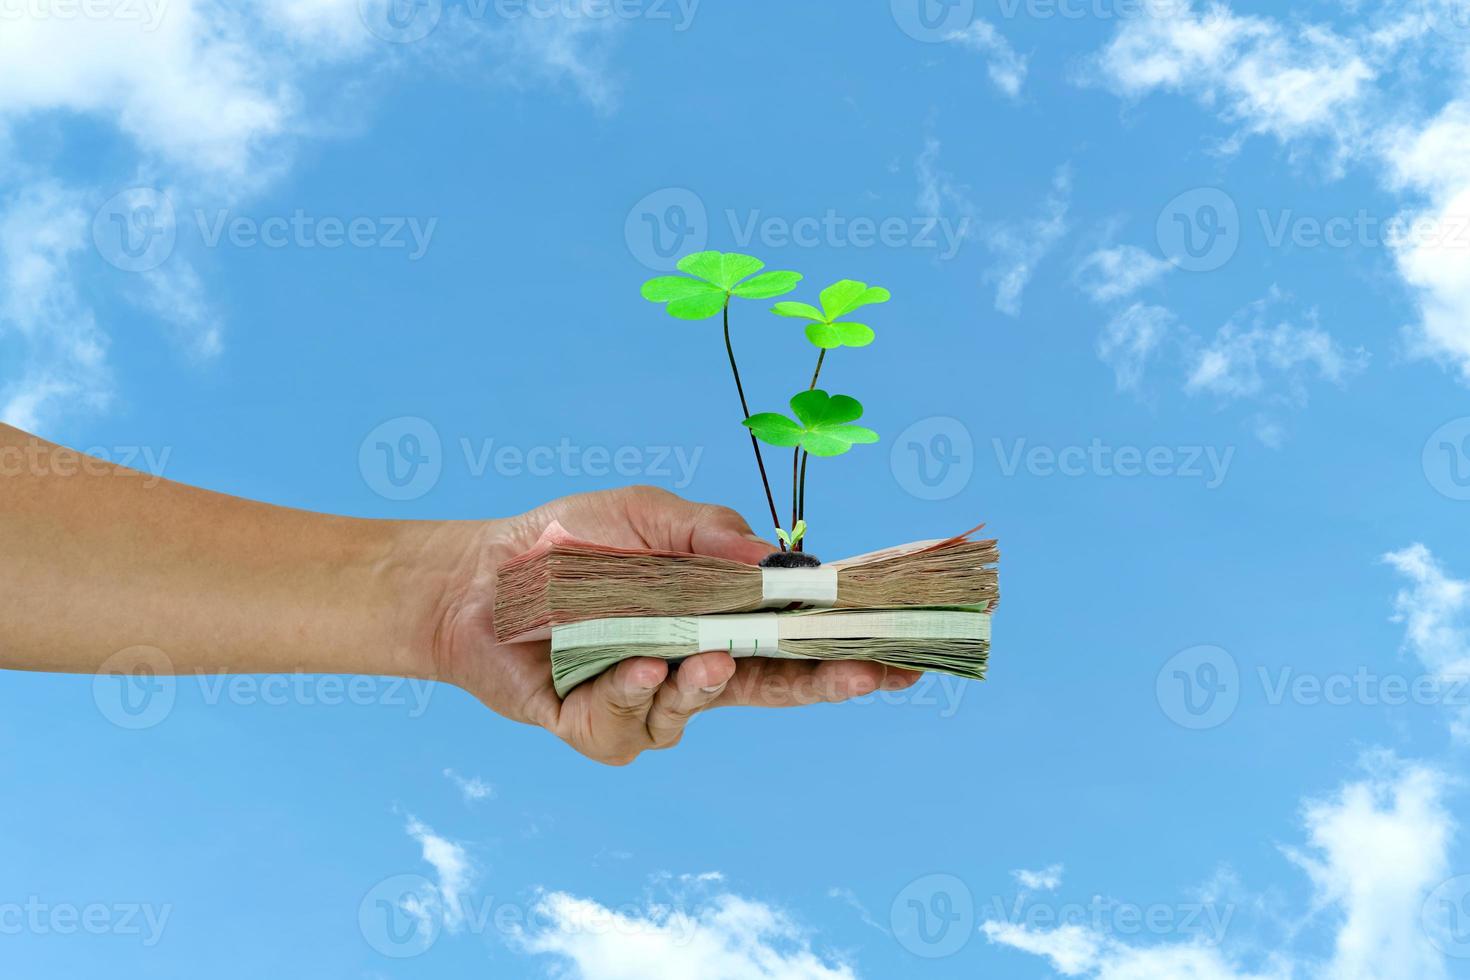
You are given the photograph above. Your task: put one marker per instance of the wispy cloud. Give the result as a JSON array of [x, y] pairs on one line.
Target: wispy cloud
[[1048, 879], [212, 99], [472, 788], [1018, 247], [1435, 611], [1130, 339], [1116, 273], [1373, 851], [1308, 84], [729, 937], [1006, 68], [453, 869]]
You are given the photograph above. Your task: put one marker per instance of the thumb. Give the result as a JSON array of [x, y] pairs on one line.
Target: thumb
[[722, 533]]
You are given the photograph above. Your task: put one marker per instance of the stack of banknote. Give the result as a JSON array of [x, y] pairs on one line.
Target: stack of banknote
[[922, 606]]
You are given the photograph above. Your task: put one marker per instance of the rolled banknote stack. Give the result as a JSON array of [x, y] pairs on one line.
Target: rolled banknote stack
[[922, 606]]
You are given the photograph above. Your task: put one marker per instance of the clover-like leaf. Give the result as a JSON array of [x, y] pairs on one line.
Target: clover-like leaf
[[844, 296], [712, 278], [829, 336], [798, 531], [767, 285], [825, 328], [824, 429], [774, 428]]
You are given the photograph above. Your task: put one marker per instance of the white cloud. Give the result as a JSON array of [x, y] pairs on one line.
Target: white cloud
[[1130, 339], [1019, 247], [1259, 74], [211, 97], [1006, 68], [1310, 82], [1048, 879], [452, 867], [1431, 160], [938, 192], [46, 330], [1435, 611], [1257, 355], [473, 788], [729, 938], [1373, 852], [1115, 273]]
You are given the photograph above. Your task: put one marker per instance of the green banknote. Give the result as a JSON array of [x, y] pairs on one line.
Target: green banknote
[[951, 640]]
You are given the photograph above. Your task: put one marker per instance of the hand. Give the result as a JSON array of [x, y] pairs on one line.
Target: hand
[[642, 703]]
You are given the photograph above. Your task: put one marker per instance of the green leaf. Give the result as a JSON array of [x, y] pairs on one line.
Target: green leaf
[[774, 428], [736, 267], [836, 440], [824, 428], [709, 266], [846, 295], [797, 533], [817, 408], [767, 285], [832, 335], [700, 306], [802, 311], [664, 289], [784, 538]]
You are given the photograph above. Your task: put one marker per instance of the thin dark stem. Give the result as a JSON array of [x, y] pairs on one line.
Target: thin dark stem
[[798, 491], [801, 506], [795, 502], [745, 408]]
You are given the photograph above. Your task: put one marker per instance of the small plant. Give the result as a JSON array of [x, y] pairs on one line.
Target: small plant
[[824, 423], [713, 279]]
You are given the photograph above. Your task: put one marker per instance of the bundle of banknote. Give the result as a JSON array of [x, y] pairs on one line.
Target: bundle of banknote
[[922, 606]]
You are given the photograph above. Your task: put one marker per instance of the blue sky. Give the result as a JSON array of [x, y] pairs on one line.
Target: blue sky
[[1179, 310]]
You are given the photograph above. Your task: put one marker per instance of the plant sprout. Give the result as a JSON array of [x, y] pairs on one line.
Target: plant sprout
[[712, 279], [827, 330], [824, 429]]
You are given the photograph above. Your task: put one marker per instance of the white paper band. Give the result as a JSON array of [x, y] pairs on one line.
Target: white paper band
[[743, 635], [808, 586]]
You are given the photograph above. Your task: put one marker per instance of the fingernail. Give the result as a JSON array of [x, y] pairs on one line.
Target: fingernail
[[713, 690]]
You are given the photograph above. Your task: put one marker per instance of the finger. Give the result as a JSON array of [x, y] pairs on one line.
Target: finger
[[789, 683], [610, 720], [723, 533], [695, 686]]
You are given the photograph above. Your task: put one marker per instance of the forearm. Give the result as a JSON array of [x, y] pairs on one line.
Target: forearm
[[95, 559]]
